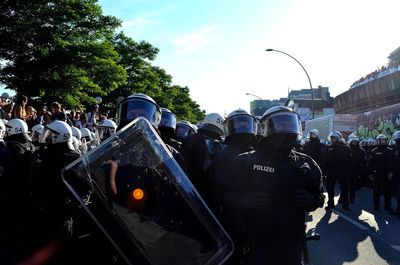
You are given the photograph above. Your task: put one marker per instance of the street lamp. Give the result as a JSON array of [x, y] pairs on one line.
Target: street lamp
[[249, 94], [309, 80]]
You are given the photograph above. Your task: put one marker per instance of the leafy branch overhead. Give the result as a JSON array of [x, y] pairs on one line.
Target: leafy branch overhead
[[68, 51]]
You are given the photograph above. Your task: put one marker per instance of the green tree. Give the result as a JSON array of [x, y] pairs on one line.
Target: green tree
[[59, 50]]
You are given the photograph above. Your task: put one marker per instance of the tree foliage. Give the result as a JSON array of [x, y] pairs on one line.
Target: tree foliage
[[67, 50]]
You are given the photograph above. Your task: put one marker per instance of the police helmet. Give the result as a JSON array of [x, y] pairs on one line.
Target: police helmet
[[16, 126], [58, 131], [213, 122], [280, 120], [334, 135], [313, 134], [371, 141], [396, 136], [37, 131], [105, 128], [138, 105], [168, 119], [364, 143], [183, 129], [76, 133], [76, 144], [240, 122], [352, 139], [381, 139], [86, 134]]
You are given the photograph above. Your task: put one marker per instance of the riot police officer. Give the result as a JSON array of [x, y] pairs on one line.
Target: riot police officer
[[267, 192], [167, 128], [199, 149], [358, 165], [396, 169], [313, 147], [184, 129], [379, 169], [240, 131], [337, 164]]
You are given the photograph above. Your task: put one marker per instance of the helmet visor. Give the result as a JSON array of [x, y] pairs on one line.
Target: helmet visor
[[240, 124], [282, 122], [168, 120], [182, 131], [133, 108]]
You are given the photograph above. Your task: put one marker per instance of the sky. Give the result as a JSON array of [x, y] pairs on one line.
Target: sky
[[217, 48]]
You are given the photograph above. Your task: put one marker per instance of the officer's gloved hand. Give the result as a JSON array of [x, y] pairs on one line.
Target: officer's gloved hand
[[256, 201], [302, 199]]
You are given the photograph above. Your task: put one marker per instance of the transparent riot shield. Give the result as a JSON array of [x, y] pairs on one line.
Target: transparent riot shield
[[141, 199]]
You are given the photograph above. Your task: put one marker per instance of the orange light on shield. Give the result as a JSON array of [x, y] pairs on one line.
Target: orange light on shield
[[138, 194]]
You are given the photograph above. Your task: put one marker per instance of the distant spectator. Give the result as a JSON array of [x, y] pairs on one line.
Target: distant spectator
[[31, 117], [92, 117], [82, 122], [19, 108]]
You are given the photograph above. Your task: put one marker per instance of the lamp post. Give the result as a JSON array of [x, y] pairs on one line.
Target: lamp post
[[309, 80], [249, 94]]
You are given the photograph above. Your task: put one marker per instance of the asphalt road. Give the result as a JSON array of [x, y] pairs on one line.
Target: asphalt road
[[360, 236]]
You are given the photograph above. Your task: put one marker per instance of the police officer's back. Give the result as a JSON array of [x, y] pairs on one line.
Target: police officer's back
[[379, 168], [271, 189], [199, 149], [337, 164], [313, 147]]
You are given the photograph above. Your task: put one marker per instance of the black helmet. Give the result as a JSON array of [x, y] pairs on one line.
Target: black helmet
[[168, 119], [279, 120], [240, 122], [138, 105]]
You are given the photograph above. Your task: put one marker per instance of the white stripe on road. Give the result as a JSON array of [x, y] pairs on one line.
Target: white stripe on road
[[350, 220]]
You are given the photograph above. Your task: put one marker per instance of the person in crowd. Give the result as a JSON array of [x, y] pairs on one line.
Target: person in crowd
[[31, 117], [358, 166], [184, 129], [19, 109], [92, 117], [167, 128], [396, 170], [82, 122], [313, 147], [267, 193], [240, 130], [337, 166], [379, 170], [199, 150]]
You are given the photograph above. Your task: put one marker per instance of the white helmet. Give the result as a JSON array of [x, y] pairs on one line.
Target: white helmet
[[381, 139], [279, 120], [396, 135], [86, 134], [213, 122], [353, 138], [76, 133], [5, 121], [16, 126], [76, 143], [59, 131], [168, 119], [2, 129], [240, 122], [335, 134], [313, 134], [105, 129], [37, 131]]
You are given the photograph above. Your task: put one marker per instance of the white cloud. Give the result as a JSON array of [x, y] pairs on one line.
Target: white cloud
[[138, 23], [193, 42]]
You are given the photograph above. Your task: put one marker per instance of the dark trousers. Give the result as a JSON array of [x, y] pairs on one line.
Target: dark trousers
[[381, 185], [354, 184], [344, 189]]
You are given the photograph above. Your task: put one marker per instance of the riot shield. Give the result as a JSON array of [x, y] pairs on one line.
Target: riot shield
[[141, 199]]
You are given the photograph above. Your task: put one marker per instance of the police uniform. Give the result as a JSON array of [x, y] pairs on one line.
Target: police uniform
[[273, 234], [379, 166]]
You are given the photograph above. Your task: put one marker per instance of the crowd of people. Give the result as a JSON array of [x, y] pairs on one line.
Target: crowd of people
[[253, 174]]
